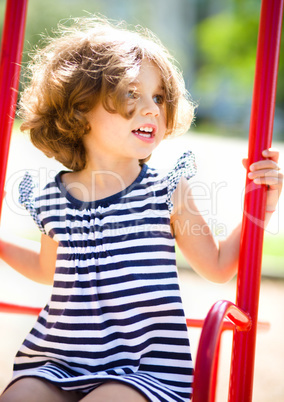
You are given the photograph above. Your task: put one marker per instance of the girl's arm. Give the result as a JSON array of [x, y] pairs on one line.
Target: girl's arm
[[217, 261], [32, 259]]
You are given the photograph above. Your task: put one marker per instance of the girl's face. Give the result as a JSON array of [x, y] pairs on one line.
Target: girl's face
[[113, 136]]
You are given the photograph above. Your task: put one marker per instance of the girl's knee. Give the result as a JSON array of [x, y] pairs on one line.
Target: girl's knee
[[32, 389], [19, 390], [115, 391]]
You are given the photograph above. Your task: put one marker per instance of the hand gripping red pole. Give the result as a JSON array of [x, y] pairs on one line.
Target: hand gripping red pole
[[10, 60], [260, 138]]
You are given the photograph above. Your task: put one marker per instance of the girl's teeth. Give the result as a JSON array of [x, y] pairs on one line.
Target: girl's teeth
[[145, 132], [146, 129], [145, 135]]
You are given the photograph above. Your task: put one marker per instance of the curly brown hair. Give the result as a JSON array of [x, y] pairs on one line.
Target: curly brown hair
[[91, 60]]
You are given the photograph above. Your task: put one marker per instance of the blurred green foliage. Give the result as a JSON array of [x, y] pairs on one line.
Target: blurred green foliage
[[226, 45]]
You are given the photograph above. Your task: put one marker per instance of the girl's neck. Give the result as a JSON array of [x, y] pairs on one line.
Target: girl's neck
[[101, 180]]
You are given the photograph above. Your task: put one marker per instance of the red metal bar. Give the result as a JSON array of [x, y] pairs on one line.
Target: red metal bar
[[227, 325], [18, 309], [10, 60], [260, 138], [205, 364], [215, 369]]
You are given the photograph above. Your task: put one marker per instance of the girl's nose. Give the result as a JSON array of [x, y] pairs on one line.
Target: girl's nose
[[149, 107]]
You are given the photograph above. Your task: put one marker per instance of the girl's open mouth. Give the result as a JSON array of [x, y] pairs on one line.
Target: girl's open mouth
[[145, 133]]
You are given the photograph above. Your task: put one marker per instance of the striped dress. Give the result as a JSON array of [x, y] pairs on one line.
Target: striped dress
[[115, 312]]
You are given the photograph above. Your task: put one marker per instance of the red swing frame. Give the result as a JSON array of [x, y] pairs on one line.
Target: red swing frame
[[242, 316]]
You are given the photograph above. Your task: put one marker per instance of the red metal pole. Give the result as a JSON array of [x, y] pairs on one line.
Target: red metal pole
[[10, 60], [204, 385], [260, 138]]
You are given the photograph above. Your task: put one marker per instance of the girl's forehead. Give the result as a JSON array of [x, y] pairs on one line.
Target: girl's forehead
[[148, 71]]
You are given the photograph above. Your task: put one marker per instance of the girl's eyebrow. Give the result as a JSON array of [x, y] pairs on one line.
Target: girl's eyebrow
[[137, 84]]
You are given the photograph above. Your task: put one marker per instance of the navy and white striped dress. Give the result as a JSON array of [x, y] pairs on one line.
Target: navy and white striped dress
[[115, 312]]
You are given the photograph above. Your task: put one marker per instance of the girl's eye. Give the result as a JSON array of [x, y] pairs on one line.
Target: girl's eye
[[132, 94], [159, 99]]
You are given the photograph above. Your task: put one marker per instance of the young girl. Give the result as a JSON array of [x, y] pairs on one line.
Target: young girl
[[100, 101]]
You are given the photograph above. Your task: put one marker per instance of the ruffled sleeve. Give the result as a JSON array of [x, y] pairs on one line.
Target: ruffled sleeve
[[184, 167], [27, 198]]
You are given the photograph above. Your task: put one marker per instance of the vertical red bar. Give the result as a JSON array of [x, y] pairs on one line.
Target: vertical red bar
[[260, 137], [10, 59], [215, 369]]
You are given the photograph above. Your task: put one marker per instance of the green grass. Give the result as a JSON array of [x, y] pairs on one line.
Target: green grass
[[273, 255], [274, 245]]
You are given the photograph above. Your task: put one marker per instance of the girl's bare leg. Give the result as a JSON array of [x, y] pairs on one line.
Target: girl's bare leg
[[114, 391], [32, 389]]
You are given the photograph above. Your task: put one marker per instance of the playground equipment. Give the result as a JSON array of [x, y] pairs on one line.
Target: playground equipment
[[242, 316]]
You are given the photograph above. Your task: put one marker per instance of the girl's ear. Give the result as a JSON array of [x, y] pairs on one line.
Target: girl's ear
[[87, 128]]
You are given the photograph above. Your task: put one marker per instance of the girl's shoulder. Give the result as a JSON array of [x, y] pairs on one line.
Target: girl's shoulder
[[34, 187], [184, 166], [36, 196]]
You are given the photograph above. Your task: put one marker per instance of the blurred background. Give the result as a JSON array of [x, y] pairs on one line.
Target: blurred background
[[214, 42]]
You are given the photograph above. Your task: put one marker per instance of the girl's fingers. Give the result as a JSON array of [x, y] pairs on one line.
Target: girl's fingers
[[245, 163], [263, 173], [271, 161], [268, 181], [271, 154], [269, 177], [266, 171], [264, 164]]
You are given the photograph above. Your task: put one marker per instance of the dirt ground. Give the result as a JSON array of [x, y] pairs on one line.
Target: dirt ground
[[198, 296]]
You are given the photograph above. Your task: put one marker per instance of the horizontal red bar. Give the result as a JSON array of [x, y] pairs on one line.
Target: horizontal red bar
[[18, 309]]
